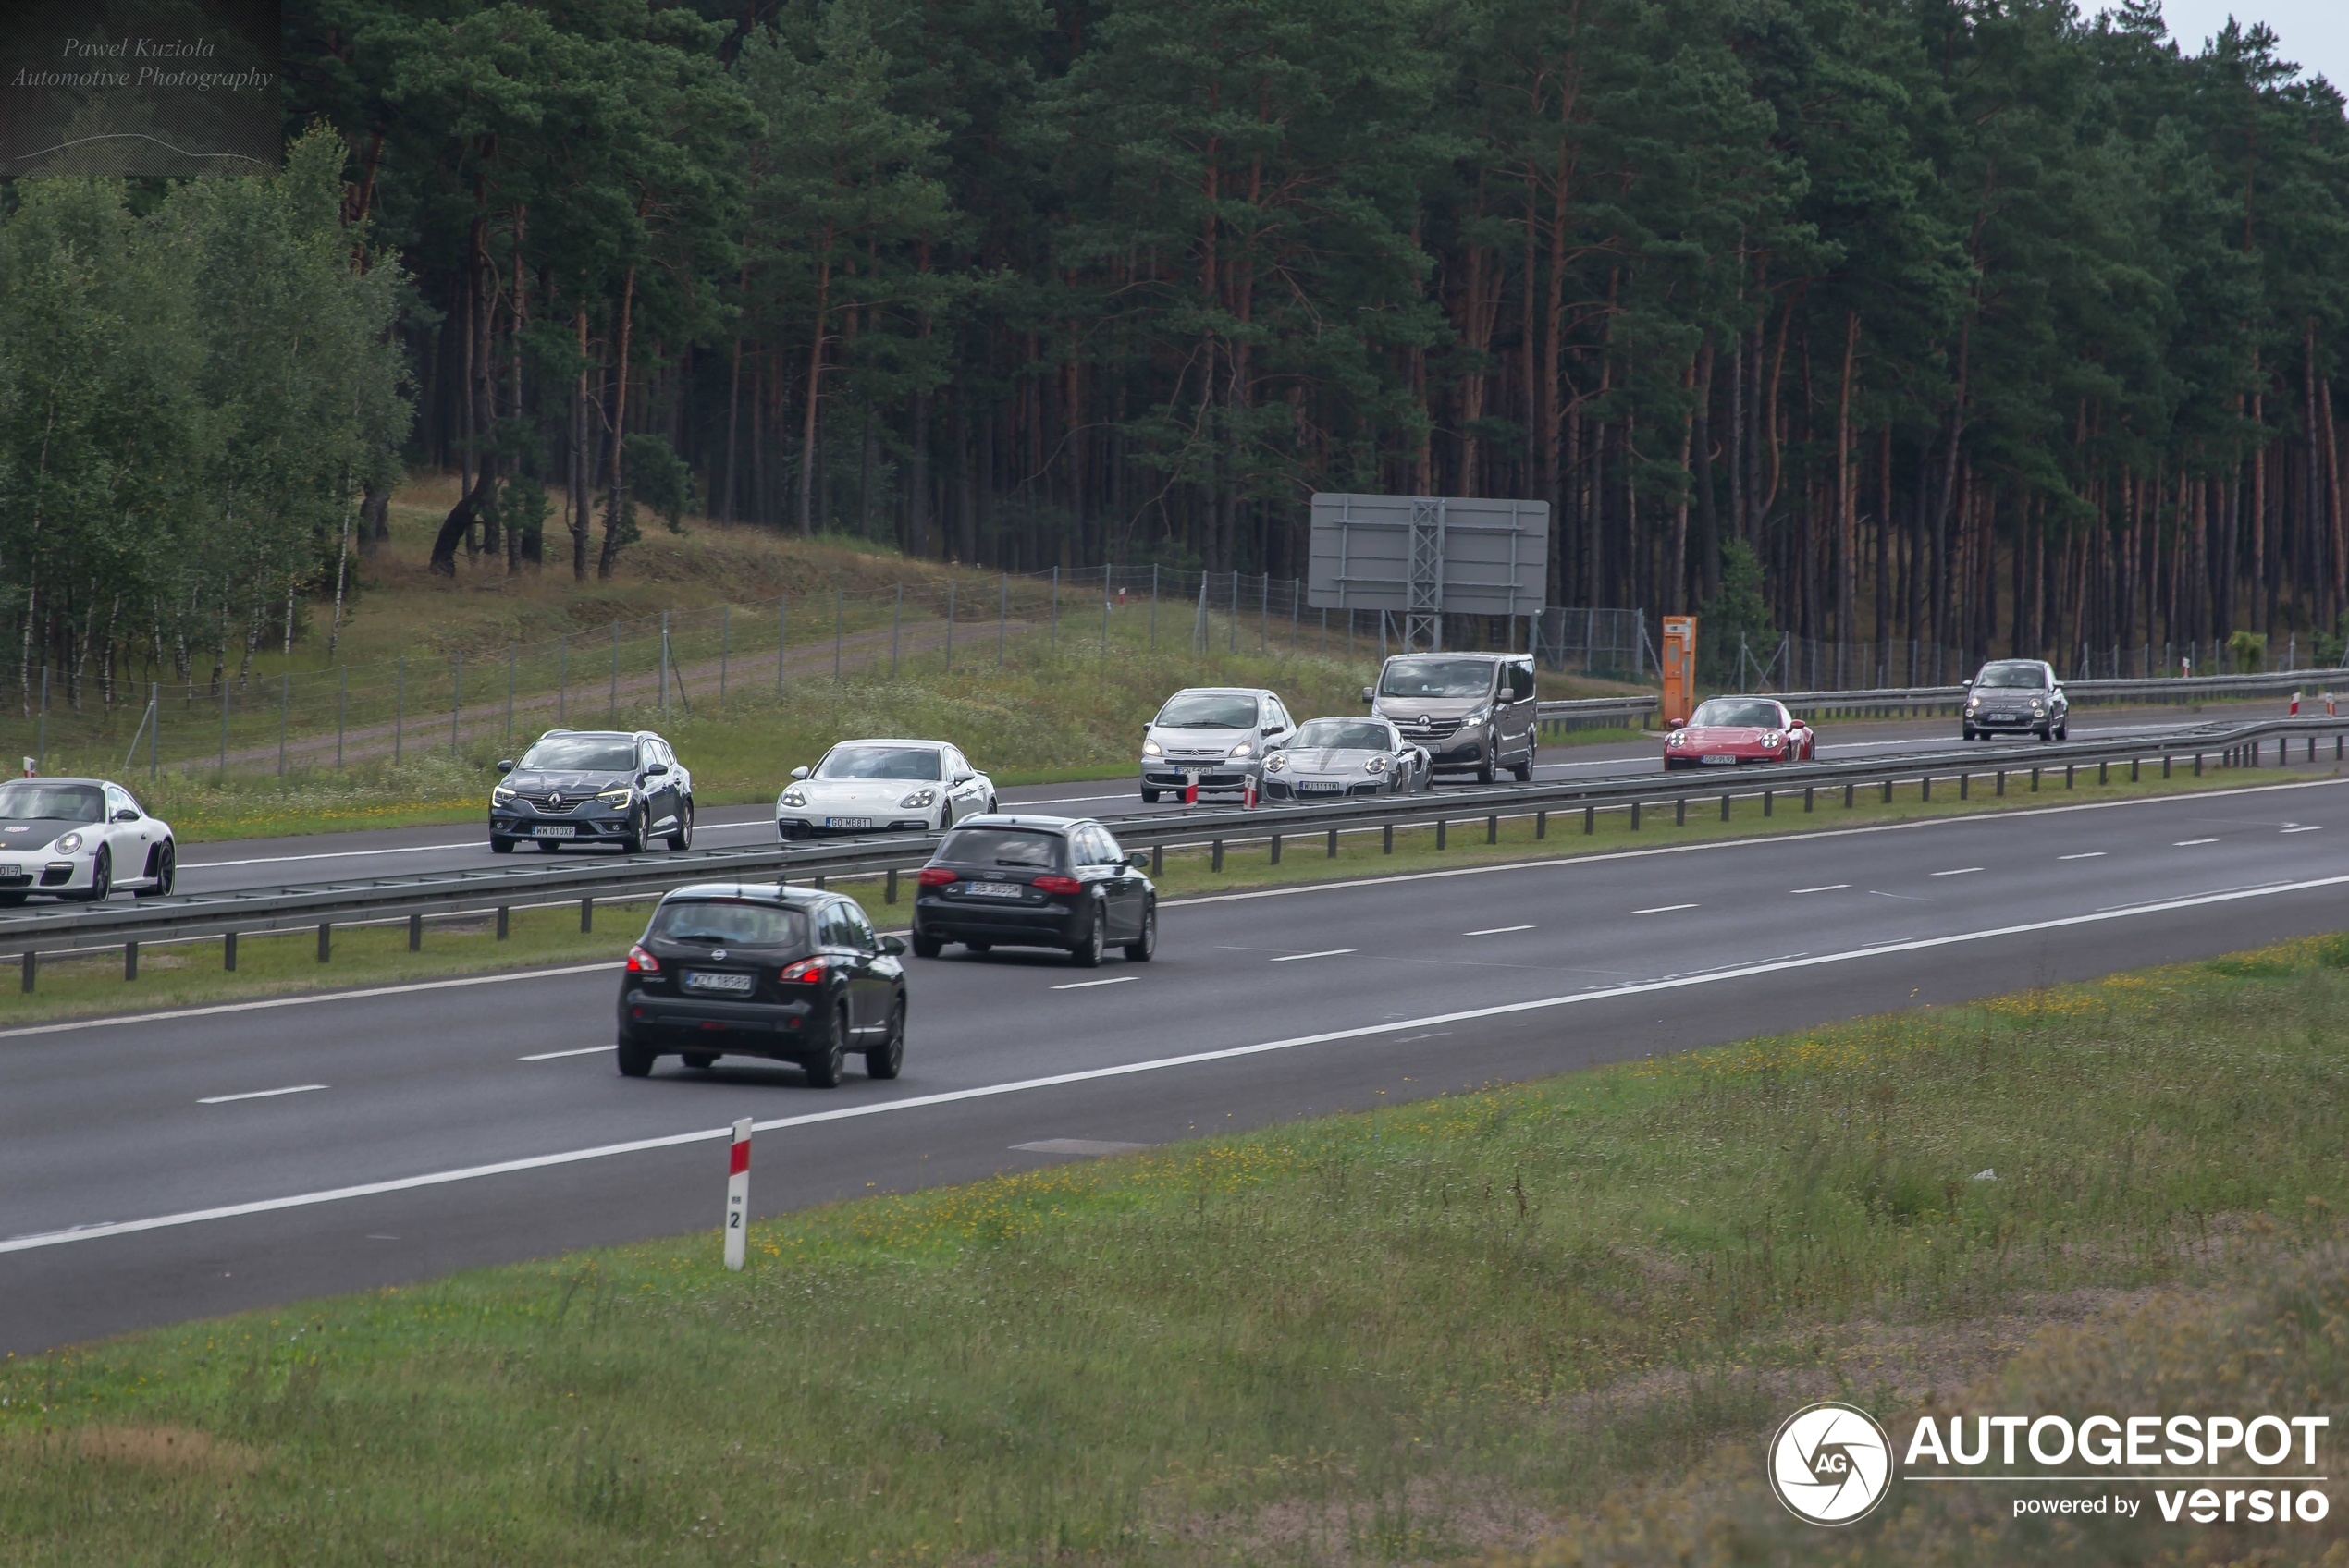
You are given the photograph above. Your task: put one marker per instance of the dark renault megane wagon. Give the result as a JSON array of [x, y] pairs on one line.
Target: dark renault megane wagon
[[754, 969]]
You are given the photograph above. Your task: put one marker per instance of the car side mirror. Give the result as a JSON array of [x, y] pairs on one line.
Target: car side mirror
[[799, 773], [1139, 859], [1366, 694], [1675, 724], [654, 769], [965, 778], [893, 945], [126, 814], [506, 765]]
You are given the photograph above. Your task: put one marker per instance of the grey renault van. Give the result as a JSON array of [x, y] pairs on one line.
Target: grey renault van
[[1474, 712]]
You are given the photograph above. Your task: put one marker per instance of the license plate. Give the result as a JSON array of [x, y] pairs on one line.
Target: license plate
[[1317, 789], [552, 830], [14, 877], [1718, 762], [848, 822], [995, 890], [696, 981], [2007, 718]]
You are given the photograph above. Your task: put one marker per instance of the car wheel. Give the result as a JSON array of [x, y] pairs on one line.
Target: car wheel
[[683, 837], [700, 1060], [1485, 771], [1145, 947], [946, 816], [500, 845], [825, 1068], [926, 946], [1966, 732], [633, 842], [991, 805], [890, 1060], [1149, 797], [2063, 730], [1087, 954], [635, 1057], [166, 872], [101, 879]]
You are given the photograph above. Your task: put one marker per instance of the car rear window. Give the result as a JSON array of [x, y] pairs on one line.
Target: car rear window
[[724, 920], [1024, 846]]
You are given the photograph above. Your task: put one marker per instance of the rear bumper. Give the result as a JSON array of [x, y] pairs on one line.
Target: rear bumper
[[787, 1030], [1055, 924]]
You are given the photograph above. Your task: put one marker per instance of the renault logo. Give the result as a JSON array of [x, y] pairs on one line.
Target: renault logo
[[556, 799], [1425, 720]]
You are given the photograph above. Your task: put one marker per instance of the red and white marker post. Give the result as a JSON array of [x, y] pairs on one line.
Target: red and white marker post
[[1247, 793], [2295, 704], [738, 1196]]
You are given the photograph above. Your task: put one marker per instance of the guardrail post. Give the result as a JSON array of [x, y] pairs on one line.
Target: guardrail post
[[1769, 802], [1387, 846], [416, 932], [1680, 811], [2001, 789], [1157, 859], [1887, 791], [586, 915], [505, 920], [1965, 786], [1635, 817], [1493, 828], [1925, 787], [2067, 774], [2165, 764], [2103, 776], [228, 952], [1806, 797], [1848, 791], [889, 894], [1541, 825], [1725, 806], [32, 968], [1333, 854], [130, 961], [2198, 765], [1276, 849], [1215, 863], [1440, 825], [325, 940], [2133, 770]]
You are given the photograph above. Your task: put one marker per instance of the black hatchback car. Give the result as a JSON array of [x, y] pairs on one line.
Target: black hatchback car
[[1036, 882], [621, 787], [754, 969]]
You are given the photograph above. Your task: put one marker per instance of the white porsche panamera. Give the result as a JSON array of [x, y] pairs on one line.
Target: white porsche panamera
[[79, 838], [882, 786]]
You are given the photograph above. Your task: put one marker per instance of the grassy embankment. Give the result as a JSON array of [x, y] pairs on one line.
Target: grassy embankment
[[1030, 705], [188, 974], [1564, 1312]]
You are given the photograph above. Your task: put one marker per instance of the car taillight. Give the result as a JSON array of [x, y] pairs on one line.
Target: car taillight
[[1058, 885], [810, 970], [938, 877], [642, 962]]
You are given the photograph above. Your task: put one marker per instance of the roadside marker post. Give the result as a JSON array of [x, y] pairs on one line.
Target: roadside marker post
[[738, 1196]]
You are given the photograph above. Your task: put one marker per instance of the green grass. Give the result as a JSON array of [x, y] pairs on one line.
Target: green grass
[[188, 974], [1406, 1335]]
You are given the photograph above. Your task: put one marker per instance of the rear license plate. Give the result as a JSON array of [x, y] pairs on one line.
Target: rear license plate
[[697, 981], [848, 822], [552, 830], [995, 890], [1717, 762]]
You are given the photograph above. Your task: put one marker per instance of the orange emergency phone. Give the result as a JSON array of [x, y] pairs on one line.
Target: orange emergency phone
[[1679, 667]]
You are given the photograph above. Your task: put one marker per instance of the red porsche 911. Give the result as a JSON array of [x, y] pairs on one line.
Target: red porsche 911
[[1726, 732]]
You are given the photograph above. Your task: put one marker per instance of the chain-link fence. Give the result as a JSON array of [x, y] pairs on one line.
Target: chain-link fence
[[1605, 645], [1805, 664]]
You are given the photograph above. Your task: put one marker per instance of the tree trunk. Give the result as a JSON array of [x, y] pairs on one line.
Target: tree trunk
[[616, 494], [1847, 499], [815, 391]]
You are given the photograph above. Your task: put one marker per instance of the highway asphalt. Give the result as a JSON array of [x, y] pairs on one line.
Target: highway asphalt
[[256, 1154], [272, 862]]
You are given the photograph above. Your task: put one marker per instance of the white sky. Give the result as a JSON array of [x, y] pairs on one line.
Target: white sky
[[2314, 32]]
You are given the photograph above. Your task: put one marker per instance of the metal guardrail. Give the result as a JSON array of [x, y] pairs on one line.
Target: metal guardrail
[[416, 896], [1589, 713], [1903, 700]]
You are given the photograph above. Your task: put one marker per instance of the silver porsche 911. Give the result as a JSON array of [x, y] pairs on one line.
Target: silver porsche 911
[[80, 839], [1334, 758]]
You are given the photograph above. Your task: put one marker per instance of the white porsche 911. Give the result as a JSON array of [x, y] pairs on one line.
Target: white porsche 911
[[882, 786], [79, 838]]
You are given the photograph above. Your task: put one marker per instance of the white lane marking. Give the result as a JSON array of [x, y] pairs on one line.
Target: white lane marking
[[1497, 930], [1160, 1064], [1768, 840], [2084, 854], [2189, 843], [1830, 887], [1080, 985], [1760, 840], [549, 1056], [1962, 871], [268, 1002], [261, 1093], [2311, 828], [1326, 952], [1663, 909]]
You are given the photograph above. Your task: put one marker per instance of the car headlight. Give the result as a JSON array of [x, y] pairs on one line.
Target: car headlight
[[1771, 738], [1276, 763], [1244, 749], [69, 844], [1972, 703], [919, 800], [1376, 765], [619, 797], [499, 794], [792, 797], [1152, 749], [2037, 705], [1476, 719]]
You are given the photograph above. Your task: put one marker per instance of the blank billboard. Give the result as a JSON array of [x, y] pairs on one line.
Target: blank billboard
[[1475, 557]]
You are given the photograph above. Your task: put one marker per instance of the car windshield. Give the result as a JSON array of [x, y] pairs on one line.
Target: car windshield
[[1437, 678], [718, 923], [22, 801], [2026, 677], [1001, 846], [583, 753], [879, 762], [1347, 734], [1208, 710], [1725, 714]]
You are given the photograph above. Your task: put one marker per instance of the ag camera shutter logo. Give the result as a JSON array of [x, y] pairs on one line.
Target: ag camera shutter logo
[[1830, 1464]]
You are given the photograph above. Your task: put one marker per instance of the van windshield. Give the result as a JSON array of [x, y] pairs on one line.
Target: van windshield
[[1437, 678]]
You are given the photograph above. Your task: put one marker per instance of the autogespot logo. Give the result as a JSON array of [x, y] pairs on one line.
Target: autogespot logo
[[1830, 1463]]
